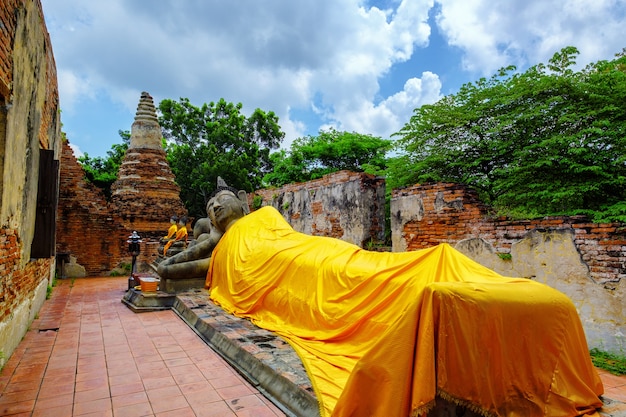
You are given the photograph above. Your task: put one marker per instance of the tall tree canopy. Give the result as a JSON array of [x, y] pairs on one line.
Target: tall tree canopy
[[546, 141], [214, 140], [312, 157]]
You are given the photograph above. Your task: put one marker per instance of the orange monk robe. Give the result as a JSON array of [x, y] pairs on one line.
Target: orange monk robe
[[181, 234], [171, 231], [382, 334]]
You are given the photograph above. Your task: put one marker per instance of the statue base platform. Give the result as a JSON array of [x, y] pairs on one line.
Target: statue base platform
[[139, 301], [174, 285], [178, 285]]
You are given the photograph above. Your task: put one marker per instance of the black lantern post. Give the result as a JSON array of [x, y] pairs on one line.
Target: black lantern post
[[133, 247]]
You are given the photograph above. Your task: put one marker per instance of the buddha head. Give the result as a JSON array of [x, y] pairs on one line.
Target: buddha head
[[226, 206]]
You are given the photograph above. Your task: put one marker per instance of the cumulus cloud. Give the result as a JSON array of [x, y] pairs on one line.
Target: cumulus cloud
[[74, 89], [523, 33], [314, 63], [77, 152], [390, 115], [272, 55]]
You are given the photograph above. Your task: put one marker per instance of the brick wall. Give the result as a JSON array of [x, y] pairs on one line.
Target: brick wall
[[7, 35], [453, 212], [87, 228], [17, 283], [29, 121]]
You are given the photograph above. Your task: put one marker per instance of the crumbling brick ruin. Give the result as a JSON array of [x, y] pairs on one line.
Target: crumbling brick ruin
[[30, 144], [87, 230], [345, 205], [94, 231]]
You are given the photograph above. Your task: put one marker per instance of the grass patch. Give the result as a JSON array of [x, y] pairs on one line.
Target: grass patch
[[50, 286], [505, 256], [615, 364], [257, 202]]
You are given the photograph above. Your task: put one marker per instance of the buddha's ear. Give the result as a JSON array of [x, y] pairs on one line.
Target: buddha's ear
[[243, 196]]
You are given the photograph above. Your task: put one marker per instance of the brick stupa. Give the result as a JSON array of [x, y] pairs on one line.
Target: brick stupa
[[145, 194]]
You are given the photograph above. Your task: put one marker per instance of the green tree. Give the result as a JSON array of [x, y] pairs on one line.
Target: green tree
[[547, 141], [102, 171], [312, 157], [214, 140]]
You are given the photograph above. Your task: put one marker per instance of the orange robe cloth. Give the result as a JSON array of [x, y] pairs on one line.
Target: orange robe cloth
[[181, 234], [171, 231], [382, 334]]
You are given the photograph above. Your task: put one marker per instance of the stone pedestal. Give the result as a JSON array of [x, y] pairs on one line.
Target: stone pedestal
[[178, 285], [140, 302]]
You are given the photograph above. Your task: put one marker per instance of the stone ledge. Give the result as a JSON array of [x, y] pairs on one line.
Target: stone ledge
[[180, 285], [139, 301]]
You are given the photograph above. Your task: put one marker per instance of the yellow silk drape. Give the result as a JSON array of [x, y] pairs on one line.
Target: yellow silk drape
[[381, 334]]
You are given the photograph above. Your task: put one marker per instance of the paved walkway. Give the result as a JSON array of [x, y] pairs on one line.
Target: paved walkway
[[89, 355]]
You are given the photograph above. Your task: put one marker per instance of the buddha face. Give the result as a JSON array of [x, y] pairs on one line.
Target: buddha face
[[224, 209]]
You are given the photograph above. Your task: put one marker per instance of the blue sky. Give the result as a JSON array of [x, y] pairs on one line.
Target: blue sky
[[352, 65]]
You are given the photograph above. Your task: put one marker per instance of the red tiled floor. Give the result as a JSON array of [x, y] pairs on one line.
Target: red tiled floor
[[89, 355], [614, 386]]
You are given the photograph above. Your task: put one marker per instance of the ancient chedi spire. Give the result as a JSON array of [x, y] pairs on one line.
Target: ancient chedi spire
[[145, 131], [145, 194]]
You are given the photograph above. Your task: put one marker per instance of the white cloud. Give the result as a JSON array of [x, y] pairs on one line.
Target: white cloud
[[523, 33], [293, 129], [390, 115], [77, 152], [74, 89], [271, 55], [327, 56]]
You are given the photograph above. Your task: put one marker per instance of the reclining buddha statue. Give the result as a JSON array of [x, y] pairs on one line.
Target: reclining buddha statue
[[385, 334]]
